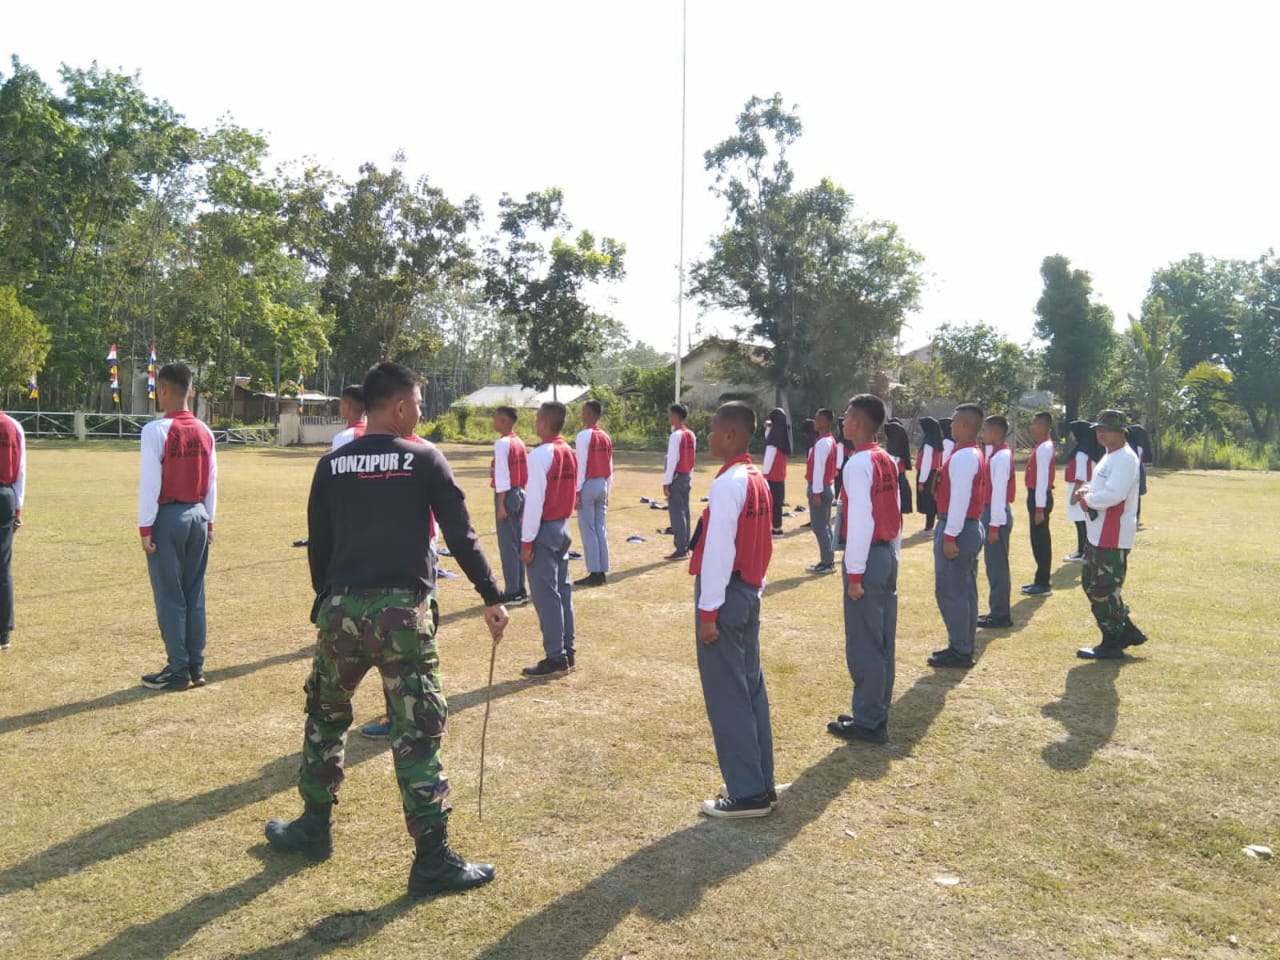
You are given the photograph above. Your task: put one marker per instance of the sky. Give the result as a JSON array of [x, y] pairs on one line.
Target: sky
[[1124, 135]]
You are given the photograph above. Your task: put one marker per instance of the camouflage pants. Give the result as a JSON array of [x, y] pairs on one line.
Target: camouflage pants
[[1102, 579], [395, 632]]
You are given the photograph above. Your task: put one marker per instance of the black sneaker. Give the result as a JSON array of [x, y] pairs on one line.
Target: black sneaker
[[591, 580], [772, 792], [309, 835], [950, 658], [570, 657], [1037, 590], [678, 555], [995, 623], [5, 642], [548, 667], [515, 599], [1103, 651], [820, 568], [166, 679], [731, 808], [848, 730], [438, 869]]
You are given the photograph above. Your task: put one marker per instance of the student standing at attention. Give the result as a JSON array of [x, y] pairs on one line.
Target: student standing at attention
[[777, 447], [13, 482], [871, 554], [177, 497], [820, 478], [731, 554], [1079, 471], [508, 475], [927, 466], [958, 541], [677, 478], [1039, 483], [544, 547], [351, 409], [997, 517], [595, 475]]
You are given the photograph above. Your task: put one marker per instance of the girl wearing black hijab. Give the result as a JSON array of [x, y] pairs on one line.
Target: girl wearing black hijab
[[1079, 470], [898, 446], [777, 447], [947, 443], [927, 466]]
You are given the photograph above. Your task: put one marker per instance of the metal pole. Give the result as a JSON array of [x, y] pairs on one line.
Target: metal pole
[[484, 731], [684, 96]]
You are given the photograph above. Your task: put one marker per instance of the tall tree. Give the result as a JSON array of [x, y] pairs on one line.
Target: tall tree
[[1078, 332], [1202, 293], [1153, 352], [24, 341], [982, 366], [538, 277]]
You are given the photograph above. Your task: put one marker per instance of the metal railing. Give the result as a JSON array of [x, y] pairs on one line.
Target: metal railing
[[75, 425], [53, 425]]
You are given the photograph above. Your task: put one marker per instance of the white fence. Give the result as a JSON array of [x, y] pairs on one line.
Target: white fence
[[77, 425]]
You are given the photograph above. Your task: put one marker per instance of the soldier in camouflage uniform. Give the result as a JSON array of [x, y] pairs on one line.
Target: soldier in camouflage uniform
[[369, 518]]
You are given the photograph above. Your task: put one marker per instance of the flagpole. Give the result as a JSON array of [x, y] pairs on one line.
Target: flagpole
[[684, 87]]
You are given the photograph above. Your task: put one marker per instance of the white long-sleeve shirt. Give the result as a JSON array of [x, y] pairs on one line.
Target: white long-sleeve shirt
[[924, 466], [673, 457], [1113, 493], [725, 502], [20, 478], [822, 451], [1044, 472], [502, 465], [962, 471], [582, 447], [770, 452], [858, 474], [155, 436], [1001, 467]]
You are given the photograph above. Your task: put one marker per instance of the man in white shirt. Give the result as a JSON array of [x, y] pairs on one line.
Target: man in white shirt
[[1110, 500], [594, 449], [997, 517], [820, 476], [677, 478]]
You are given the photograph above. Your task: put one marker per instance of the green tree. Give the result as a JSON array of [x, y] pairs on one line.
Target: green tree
[[1202, 293], [1078, 332], [1153, 350], [24, 341], [1255, 358], [1205, 396], [981, 365], [538, 277]]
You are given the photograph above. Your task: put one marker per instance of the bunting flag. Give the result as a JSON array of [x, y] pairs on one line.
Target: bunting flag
[[301, 388], [151, 374], [33, 389], [115, 375]]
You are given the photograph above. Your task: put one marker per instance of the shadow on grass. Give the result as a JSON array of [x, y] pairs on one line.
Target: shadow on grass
[[136, 693], [1089, 708], [146, 825], [336, 931], [668, 878]]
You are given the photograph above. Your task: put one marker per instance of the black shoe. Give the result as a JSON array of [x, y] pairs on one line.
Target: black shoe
[[678, 555], [514, 599], [995, 623], [821, 568], [1103, 651], [570, 657], [166, 679], [437, 869], [309, 835], [772, 793], [1131, 636], [1037, 590], [777, 533], [844, 728], [591, 580], [730, 808], [197, 678], [950, 658], [548, 667], [5, 642]]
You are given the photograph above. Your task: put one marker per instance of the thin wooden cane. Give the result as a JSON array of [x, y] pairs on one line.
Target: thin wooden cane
[[484, 731]]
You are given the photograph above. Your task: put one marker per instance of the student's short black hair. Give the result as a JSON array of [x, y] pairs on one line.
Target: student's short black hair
[[995, 420], [826, 412], [509, 412], [595, 406], [680, 410], [871, 407], [555, 412], [355, 393], [972, 410], [741, 416], [1044, 416], [177, 374], [385, 381]]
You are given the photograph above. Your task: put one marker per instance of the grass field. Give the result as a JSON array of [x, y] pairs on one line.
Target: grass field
[[1092, 810]]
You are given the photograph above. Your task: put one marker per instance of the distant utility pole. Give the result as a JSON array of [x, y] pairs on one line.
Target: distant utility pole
[[684, 87]]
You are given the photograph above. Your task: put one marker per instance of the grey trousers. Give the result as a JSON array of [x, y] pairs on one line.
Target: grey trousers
[[995, 557], [509, 540], [678, 510], [870, 636], [181, 535], [591, 524], [838, 528], [551, 589], [734, 691], [820, 518], [955, 584], [8, 511]]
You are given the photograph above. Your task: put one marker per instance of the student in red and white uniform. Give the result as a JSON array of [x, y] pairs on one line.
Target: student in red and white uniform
[[1110, 500], [820, 477], [871, 555], [962, 495], [1079, 471], [731, 552], [13, 484], [594, 450], [677, 478], [545, 540], [1038, 480], [898, 446], [177, 499], [927, 466], [997, 517], [777, 447], [508, 475], [351, 409], [844, 450]]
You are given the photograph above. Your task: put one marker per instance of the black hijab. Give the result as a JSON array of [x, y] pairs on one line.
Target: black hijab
[[1086, 440], [809, 430], [945, 424], [1138, 437], [779, 435], [932, 432], [897, 443]]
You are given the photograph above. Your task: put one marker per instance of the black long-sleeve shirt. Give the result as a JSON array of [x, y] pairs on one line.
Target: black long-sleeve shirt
[[368, 518]]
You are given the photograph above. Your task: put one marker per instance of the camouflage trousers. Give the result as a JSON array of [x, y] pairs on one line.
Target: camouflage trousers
[[393, 630], [1102, 579]]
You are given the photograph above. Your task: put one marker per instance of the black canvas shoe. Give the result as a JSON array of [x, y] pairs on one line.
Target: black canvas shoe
[[1103, 651], [995, 623], [571, 658], [438, 869], [950, 658], [730, 808], [309, 835], [514, 599], [5, 642], [1037, 590], [166, 679], [772, 793], [678, 555], [820, 568], [846, 729], [548, 667]]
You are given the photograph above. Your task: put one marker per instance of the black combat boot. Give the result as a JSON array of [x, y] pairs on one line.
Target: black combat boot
[[437, 869], [309, 835], [1131, 636]]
